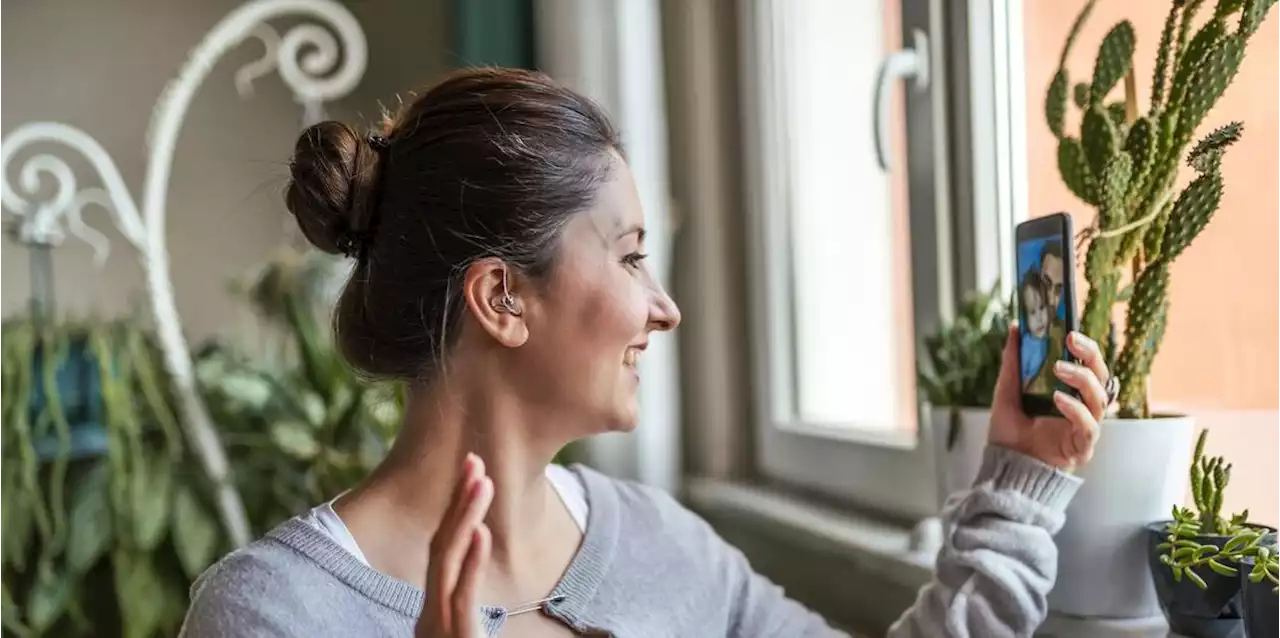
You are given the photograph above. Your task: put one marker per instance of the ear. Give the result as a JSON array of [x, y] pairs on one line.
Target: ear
[[484, 287]]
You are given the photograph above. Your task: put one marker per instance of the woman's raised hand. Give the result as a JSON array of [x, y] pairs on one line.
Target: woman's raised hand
[[459, 552], [1061, 442]]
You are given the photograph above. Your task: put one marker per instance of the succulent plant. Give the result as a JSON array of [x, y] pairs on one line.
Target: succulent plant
[[1185, 555], [1182, 550], [1209, 478], [1125, 164], [962, 359]]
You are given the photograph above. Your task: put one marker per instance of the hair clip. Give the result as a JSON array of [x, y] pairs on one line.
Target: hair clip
[[377, 142], [351, 245]]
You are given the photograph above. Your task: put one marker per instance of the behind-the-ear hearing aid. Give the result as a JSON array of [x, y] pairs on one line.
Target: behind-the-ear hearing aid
[[507, 302]]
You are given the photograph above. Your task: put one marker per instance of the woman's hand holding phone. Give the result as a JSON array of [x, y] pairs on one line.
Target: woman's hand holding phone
[[1066, 441], [459, 551]]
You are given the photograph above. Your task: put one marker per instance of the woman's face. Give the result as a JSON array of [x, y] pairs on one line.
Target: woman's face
[[591, 321]]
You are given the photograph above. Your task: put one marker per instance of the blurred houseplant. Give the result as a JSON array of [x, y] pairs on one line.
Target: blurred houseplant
[[958, 375], [106, 520], [300, 427], [1195, 558], [1125, 163]]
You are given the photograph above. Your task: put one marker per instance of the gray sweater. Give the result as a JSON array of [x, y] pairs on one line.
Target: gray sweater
[[649, 568]]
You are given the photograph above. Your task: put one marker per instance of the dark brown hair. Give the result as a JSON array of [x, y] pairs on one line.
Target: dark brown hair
[[1050, 249], [488, 163]]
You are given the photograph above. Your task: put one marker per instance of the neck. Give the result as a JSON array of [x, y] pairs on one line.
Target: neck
[[395, 512]]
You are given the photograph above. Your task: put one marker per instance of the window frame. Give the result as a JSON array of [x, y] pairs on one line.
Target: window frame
[[959, 240]]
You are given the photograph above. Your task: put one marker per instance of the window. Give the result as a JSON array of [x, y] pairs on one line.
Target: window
[[848, 265], [843, 250]]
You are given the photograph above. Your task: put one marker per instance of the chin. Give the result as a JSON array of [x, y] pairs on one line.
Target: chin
[[624, 420], [627, 425]]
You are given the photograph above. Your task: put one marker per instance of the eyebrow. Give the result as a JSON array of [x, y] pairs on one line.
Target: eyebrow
[[637, 229]]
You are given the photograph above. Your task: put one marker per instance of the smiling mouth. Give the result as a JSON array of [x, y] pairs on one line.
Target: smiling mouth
[[632, 356]]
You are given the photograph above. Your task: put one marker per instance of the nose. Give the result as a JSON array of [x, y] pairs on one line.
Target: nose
[[664, 315]]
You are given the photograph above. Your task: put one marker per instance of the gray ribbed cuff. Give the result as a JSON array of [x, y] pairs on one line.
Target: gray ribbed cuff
[[1045, 484]]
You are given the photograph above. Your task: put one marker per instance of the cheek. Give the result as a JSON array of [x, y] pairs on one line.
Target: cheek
[[596, 312], [616, 311]]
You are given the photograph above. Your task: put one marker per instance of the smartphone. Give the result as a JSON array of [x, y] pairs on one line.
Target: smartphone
[[1046, 302]]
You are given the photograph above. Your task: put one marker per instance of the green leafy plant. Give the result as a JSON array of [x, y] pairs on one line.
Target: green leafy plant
[[1182, 550], [961, 360], [300, 427], [1125, 164], [105, 523], [1184, 554], [108, 543]]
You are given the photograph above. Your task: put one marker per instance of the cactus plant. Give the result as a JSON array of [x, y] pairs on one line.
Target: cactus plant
[[1182, 550], [1125, 164], [1209, 478]]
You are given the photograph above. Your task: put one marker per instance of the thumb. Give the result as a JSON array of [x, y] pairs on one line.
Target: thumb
[[1008, 384]]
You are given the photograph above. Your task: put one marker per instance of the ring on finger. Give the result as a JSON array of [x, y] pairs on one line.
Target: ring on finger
[[1112, 386]]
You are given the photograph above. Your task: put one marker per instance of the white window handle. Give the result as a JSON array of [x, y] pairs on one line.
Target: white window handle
[[910, 63]]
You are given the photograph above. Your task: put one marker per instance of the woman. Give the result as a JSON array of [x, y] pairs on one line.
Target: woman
[[499, 269]]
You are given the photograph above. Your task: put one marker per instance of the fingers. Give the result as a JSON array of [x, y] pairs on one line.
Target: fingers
[[471, 467], [1086, 382], [1079, 446], [459, 538], [451, 545], [464, 599], [1089, 354]]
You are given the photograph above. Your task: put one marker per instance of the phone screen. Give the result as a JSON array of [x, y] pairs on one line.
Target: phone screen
[[1043, 310]]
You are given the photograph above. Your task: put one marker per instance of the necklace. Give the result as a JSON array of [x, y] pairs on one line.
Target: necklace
[[525, 608], [532, 605]]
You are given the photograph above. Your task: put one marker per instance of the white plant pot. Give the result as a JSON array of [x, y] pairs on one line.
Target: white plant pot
[[1138, 472], [957, 467]]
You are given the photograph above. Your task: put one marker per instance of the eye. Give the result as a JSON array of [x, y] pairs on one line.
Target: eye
[[634, 259]]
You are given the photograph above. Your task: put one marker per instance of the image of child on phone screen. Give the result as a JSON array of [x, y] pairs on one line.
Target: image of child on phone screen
[[1035, 334]]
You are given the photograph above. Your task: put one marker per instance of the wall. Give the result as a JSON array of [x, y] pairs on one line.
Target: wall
[[1219, 357], [100, 66]]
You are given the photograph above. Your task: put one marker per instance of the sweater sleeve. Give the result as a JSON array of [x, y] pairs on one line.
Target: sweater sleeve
[[998, 560], [762, 609], [997, 564]]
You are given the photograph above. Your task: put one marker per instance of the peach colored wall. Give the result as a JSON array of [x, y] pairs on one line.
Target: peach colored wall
[[1217, 327], [1219, 357]]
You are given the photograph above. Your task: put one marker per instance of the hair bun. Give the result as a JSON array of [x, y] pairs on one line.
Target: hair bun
[[332, 187]]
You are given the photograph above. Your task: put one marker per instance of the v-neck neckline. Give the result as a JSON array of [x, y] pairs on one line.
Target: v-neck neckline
[[567, 600]]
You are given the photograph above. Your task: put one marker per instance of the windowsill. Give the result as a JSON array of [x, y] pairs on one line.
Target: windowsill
[[897, 439], [882, 549]]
